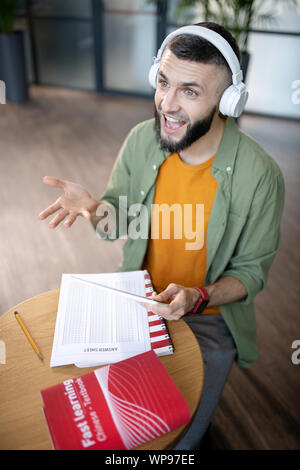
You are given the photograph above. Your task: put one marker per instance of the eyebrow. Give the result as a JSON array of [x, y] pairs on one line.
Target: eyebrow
[[184, 84]]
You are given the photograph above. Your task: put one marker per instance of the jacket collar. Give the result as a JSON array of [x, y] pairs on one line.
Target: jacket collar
[[226, 154], [223, 162], [227, 151]]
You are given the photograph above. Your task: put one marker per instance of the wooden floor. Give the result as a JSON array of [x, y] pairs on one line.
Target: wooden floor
[[76, 136]]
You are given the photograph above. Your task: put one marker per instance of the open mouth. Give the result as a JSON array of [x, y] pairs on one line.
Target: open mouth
[[171, 124]]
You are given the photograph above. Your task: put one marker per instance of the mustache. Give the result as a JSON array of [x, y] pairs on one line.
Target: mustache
[[193, 131], [179, 117]]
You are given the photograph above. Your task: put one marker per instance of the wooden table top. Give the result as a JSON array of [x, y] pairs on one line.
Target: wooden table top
[[22, 423]]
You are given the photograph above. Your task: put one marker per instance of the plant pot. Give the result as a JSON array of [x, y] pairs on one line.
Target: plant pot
[[12, 66]]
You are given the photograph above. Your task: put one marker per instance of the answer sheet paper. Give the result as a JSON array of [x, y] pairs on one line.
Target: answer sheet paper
[[95, 326]]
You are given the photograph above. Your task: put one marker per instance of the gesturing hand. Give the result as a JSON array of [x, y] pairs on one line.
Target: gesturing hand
[[74, 201]]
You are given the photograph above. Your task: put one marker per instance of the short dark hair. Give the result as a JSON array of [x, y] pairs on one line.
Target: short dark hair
[[197, 49]]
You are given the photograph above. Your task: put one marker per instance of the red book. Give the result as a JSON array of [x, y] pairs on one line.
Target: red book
[[116, 407]]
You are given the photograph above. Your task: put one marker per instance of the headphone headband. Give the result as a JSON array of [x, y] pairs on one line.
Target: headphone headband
[[234, 98], [214, 38]]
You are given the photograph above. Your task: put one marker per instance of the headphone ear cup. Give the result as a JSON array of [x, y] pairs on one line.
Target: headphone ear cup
[[226, 101], [153, 74], [233, 101], [240, 103]]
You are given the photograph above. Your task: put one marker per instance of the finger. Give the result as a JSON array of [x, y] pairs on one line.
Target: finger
[[173, 312], [166, 294], [168, 316], [178, 306], [86, 214], [162, 310], [50, 210], [58, 218], [177, 300], [145, 305], [52, 181], [149, 306], [70, 220]]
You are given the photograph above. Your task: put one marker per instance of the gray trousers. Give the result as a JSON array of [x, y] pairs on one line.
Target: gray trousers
[[219, 351]]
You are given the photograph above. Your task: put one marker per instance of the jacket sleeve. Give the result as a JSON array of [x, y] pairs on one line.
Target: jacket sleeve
[[260, 238]]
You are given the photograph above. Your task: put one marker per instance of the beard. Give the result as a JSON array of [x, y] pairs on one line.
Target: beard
[[194, 132]]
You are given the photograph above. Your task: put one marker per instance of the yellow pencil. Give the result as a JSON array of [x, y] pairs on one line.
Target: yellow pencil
[[28, 335]]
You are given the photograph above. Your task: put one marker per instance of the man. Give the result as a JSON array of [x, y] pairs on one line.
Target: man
[[224, 187]]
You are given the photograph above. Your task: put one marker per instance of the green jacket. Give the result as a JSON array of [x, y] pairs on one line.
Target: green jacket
[[244, 226]]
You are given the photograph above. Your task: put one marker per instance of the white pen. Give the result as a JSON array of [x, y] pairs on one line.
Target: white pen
[[139, 298]]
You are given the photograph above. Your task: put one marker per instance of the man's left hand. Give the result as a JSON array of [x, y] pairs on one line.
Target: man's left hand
[[181, 301]]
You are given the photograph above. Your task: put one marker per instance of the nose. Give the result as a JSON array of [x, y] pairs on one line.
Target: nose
[[169, 102]]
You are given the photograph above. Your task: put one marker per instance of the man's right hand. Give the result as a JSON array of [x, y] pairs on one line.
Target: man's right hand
[[74, 201]]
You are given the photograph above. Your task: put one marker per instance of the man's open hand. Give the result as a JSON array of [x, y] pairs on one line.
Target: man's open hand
[[182, 300], [74, 201]]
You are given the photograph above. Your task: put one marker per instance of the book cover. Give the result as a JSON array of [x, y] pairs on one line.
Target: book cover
[[116, 407]]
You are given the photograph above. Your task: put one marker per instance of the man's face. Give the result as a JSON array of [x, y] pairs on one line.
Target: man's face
[[186, 101]]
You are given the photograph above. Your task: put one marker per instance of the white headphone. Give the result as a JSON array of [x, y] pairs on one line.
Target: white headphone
[[235, 96]]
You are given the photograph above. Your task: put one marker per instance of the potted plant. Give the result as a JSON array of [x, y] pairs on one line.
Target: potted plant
[[12, 54], [238, 16]]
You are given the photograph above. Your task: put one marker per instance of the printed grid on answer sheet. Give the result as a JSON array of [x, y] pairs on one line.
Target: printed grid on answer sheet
[[95, 316]]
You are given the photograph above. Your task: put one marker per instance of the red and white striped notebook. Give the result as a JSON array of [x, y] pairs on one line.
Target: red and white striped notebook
[[116, 407], [160, 339]]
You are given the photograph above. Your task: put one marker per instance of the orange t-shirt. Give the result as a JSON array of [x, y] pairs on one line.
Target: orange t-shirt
[[184, 196]]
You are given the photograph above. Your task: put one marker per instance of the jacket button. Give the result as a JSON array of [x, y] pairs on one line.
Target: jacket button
[[142, 193], [154, 167], [228, 169]]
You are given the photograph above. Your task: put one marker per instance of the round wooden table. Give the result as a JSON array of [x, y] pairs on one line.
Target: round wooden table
[[22, 423]]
